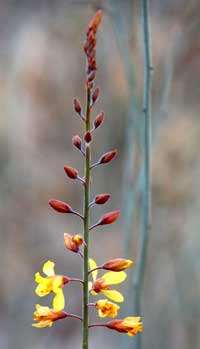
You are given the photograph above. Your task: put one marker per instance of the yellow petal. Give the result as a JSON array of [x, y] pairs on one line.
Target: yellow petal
[[89, 285], [94, 293], [59, 301], [101, 314], [93, 265], [116, 296], [114, 278], [44, 323], [43, 289], [38, 278], [48, 268], [57, 283]]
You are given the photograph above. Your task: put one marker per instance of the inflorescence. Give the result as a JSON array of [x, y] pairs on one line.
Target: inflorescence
[[115, 274]]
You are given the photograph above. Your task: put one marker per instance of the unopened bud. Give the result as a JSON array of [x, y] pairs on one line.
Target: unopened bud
[[109, 217], [88, 137], [95, 95], [118, 264], [72, 243], [77, 106], [76, 141], [71, 172], [99, 119], [108, 157], [60, 206], [102, 199]]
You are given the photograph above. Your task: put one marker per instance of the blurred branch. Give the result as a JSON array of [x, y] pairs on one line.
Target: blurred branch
[[123, 29], [146, 195]]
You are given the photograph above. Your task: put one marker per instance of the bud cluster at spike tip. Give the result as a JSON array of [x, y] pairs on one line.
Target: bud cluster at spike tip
[[60, 206], [90, 47], [71, 172]]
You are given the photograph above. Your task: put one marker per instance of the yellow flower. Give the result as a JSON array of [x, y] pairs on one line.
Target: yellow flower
[[46, 316], [51, 283], [102, 284], [106, 308], [129, 325]]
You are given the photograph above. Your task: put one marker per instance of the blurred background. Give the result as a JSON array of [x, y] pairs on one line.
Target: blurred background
[[41, 70]]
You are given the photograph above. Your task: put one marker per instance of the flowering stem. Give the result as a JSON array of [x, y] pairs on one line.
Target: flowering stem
[[86, 226], [146, 210]]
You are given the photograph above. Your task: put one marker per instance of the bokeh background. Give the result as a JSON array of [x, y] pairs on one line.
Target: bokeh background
[[41, 70]]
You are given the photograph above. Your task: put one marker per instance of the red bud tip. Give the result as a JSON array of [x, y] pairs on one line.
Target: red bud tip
[[77, 106], [88, 137], [109, 217], [96, 20], [108, 157], [71, 172], [99, 119], [95, 94], [102, 199], [76, 141], [60, 206]]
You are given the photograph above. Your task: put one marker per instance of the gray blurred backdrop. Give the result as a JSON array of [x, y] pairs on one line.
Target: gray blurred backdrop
[[41, 70]]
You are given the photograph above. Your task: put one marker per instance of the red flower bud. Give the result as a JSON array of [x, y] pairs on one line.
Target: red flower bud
[[109, 217], [102, 199], [118, 264], [99, 119], [95, 94], [72, 243], [60, 206], [71, 172], [108, 157], [76, 141], [77, 106], [88, 137]]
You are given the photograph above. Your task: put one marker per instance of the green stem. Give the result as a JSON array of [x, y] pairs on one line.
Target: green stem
[[146, 196], [86, 228]]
